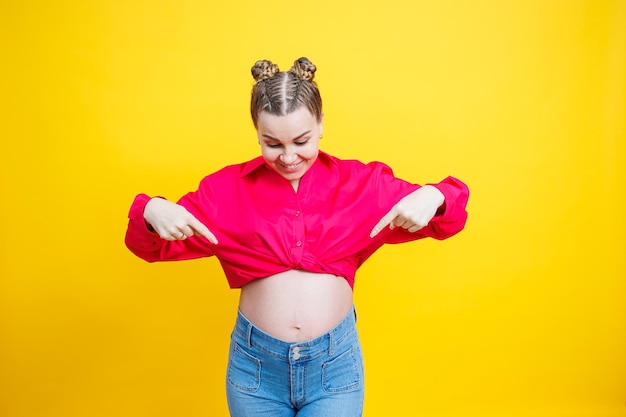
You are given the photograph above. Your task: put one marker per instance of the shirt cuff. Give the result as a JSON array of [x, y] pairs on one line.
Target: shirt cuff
[[449, 187], [136, 213]]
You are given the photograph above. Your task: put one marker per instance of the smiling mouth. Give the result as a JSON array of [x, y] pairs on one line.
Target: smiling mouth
[[290, 167]]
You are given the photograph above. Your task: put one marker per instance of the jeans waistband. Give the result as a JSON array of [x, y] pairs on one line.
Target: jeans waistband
[[251, 336]]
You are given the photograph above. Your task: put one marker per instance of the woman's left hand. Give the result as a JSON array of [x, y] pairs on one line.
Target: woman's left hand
[[412, 212]]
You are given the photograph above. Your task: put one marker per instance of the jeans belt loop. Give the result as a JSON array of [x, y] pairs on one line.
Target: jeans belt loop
[[249, 335]]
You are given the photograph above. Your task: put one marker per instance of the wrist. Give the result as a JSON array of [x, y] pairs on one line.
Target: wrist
[[438, 196], [147, 212]]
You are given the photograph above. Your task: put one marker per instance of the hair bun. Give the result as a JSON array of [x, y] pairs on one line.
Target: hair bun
[[264, 69], [304, 69]]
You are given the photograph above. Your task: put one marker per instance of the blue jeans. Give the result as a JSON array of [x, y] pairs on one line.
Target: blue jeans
[[315, 378]]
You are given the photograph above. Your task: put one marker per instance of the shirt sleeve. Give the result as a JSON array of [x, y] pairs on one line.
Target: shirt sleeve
[[449, 220], [148, 245]]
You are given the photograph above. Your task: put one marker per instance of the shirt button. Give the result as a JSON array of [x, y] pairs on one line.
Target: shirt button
[[299, 243], [297, 213]]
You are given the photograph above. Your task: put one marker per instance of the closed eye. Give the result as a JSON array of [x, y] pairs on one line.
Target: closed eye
[[299, 140], [278, 145]]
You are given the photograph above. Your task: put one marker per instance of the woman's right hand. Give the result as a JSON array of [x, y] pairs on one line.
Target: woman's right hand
[[173, 222]]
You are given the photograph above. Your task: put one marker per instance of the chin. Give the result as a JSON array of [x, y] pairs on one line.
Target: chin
[[292, 177]]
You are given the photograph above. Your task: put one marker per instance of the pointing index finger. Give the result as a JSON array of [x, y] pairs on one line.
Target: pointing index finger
[[384, 222], [202, 230]]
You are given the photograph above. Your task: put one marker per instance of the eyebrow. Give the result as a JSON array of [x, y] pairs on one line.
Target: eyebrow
[[265, 135]]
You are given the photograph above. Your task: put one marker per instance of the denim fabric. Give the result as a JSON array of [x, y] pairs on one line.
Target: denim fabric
[[315, 378]]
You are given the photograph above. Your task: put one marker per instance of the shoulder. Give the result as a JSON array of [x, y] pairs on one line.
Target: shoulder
[[235, 171], [354, 167]]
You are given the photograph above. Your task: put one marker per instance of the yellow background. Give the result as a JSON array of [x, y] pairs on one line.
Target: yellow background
[[522, 314]]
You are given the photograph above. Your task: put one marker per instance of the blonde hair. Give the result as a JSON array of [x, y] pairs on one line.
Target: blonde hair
[[280, 93]]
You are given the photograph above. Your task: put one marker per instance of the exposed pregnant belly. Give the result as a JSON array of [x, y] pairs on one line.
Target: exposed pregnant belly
[[296, 305]]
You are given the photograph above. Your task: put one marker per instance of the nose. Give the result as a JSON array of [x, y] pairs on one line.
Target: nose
[[288, 156]]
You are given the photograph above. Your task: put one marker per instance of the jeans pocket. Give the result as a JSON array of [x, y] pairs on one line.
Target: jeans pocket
[[342, 373], [244, 370]]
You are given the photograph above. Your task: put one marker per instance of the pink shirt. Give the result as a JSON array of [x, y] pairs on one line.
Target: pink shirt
[[264, 227]]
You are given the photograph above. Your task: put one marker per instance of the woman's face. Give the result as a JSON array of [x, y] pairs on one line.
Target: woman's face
[[289, 144]]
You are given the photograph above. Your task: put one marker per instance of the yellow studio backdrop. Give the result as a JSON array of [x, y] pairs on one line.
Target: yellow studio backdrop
[[521, 314]]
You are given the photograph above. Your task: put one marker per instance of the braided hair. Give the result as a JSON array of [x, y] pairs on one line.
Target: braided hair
[[283, 92]]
